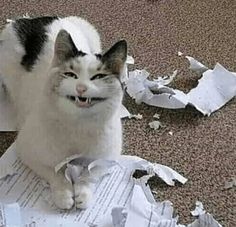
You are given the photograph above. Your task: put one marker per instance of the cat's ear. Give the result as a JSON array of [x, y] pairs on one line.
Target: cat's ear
[[65, 48], [114, 59]]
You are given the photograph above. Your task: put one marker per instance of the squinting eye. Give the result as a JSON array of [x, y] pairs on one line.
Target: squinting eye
[[70, 74], [98, 76]]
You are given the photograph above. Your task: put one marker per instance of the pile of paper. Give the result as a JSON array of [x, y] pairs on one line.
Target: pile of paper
[[119, 199]]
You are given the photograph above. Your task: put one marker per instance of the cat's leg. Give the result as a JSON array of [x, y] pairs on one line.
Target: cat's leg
[[83, 194], [62, 192], [61, 189]]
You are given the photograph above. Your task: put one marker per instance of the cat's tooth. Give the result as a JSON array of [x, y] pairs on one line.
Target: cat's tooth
[[76, 99], [89, 100]]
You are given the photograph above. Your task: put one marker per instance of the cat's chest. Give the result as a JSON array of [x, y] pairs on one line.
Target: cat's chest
[[90, 141]]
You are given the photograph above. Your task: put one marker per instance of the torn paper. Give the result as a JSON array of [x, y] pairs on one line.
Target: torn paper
[[157, 116], [144, 212], [211, 93], [168, 175], [124, 74], [170, 133], [155, 125], [10, 215], [113, 190], [230, 184], [199, 210], [136, 116], [205, 220], [194, 64], [124, 112], [91, 170]]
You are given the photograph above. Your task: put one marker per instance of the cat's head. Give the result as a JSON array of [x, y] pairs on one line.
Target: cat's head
[[86, 83]]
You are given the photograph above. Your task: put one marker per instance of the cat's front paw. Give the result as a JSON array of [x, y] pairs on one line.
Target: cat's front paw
[[63, 199], [83, 196]]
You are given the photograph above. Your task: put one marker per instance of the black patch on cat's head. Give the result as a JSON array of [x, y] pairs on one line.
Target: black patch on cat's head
[[114, 59], [32, 35], [65, 48]]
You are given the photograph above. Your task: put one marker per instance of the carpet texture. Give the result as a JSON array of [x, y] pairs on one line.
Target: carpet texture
[[201, 148]]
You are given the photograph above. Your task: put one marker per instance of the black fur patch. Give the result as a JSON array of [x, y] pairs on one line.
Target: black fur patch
[[32, 35]]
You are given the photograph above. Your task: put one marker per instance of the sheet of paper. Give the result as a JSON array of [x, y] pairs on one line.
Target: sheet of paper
[[7, 117], [214, 90]]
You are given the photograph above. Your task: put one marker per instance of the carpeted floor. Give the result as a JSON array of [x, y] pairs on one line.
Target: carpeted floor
[[201, 148]]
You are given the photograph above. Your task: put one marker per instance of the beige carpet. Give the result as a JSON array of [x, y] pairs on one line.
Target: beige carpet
[[201, 148]]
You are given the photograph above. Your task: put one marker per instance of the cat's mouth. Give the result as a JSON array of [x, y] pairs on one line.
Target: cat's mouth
[[84, 101]]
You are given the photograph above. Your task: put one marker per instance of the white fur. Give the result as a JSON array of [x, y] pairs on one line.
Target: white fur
[[51, 127]]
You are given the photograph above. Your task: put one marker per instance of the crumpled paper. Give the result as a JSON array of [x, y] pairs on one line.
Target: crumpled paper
[[79, 168], [168, 175]]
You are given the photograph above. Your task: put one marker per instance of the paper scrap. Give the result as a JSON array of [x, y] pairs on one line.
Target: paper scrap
[[124, 112], [168, 175], [10, 215], [92, 170], [155, 125], [205, 220], [148, 213], [212, 91], [230, 184], [130, 60], [199, 210], [157, 116], [170, 133], [196, 65], [136, 116]]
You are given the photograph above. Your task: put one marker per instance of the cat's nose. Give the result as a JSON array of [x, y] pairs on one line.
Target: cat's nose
[[80, 88]]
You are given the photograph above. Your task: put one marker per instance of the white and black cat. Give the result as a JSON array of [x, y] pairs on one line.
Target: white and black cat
[[67, 96]]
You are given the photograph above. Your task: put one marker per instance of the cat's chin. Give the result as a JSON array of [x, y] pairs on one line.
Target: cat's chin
[[83, 102]]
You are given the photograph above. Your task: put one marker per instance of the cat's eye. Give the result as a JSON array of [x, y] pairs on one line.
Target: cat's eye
[[71, 74], [98, 76]]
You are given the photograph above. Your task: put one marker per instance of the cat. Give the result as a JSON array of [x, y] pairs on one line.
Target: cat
[[67, 95]]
